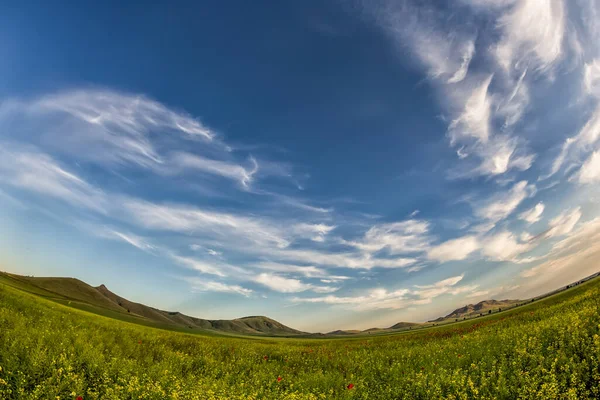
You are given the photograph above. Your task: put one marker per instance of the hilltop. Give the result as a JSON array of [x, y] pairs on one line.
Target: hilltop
[[101, 300], [483, 307]]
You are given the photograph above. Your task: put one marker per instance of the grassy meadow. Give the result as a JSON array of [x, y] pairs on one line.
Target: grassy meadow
[[546, 350]]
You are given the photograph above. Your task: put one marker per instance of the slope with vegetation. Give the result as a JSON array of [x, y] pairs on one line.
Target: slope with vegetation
[[483, 307], [102, 301], [549, 349]]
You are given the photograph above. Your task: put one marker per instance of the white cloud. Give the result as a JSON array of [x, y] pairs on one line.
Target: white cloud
[[38, 172], [446, 57], [514, 106], [134, 240], [533, 215], [502, 205], [198, 265], [119, 126], [454, 249], [590, 170], [225, 169], [563, 223], [526, 237], [341, 260], [287, 285], [467, 56], [533, 31], [380, 298], [297, 203], [570, 259], [502, 154], [202, 285], [586, 137], [308, 271], [478, 294], [399, 237], [476, 98], [503, 246], [197, 247], [474, 120], [591, 78], [443, 283], [126, 130], [187, 219], [315, 232], [375, 299], [587, 235]]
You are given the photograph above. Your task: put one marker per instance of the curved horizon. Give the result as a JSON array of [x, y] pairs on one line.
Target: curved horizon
[[341, 167]]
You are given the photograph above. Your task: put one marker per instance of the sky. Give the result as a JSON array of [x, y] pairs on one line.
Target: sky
[[330, 164]]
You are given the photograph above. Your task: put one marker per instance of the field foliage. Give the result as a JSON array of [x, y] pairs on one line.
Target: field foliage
[[547, 350]]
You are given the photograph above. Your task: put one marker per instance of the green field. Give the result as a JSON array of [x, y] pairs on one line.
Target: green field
[[546, 350]]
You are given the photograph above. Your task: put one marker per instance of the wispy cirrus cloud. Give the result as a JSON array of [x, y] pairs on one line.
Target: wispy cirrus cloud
[[563, 223], [309, 271], [229, 170], [483, 98], [532, 32], [203, 285], [257, 236], [533, 215], [380, 298], [290, 285], [504, 246], [454, 249], [315, 232], [107, 232], [573, 257], [590, 170], [409, 236], [575, 146], [126, 131], [187, 219], [28, 169], [502, 205], [122, 127]]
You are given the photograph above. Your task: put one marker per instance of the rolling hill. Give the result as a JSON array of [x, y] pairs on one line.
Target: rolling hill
[[403, 325], [101, 300], [483, 307]]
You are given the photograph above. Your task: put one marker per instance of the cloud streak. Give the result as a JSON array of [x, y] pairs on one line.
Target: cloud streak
[[381, 299]]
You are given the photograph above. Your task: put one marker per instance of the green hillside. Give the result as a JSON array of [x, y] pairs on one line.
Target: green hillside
[[483, 307], [100, 300], [548, 349]]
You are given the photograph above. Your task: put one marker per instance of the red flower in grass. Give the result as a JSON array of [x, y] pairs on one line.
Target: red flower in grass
[[350, 386], [79, 398], [278, 379], [139, 342], [265, 358]]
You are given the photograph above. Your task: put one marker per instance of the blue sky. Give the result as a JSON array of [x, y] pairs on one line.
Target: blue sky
[[332, 165]]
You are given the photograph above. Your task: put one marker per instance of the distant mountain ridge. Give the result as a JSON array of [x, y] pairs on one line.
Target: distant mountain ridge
[[75, 290], [396, 327], [66, 290]]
